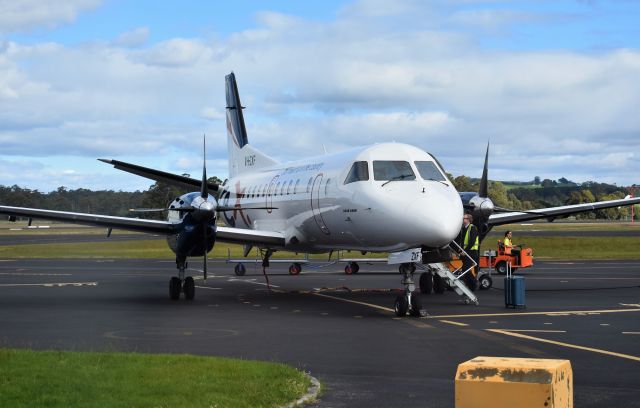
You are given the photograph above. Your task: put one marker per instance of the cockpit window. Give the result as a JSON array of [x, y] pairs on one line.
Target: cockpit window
[[429, 171], [359, 172], [392, 170]]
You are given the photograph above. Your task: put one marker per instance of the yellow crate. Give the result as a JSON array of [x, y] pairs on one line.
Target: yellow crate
[[514, 382]]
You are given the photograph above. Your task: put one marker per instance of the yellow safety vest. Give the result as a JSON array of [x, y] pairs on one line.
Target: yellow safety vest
[[507, 242], [466, 239]]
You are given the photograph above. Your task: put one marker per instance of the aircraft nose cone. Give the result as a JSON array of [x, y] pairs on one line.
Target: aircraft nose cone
[[439, 217]]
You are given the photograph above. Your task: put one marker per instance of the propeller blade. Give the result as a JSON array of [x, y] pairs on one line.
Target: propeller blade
[[484, 181], [204, 265], [204, 193]]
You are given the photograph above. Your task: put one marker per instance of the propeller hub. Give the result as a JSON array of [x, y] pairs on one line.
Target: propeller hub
[[204, 210]]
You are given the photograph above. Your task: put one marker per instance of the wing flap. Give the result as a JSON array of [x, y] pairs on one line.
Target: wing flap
[[554, 212], [270, 239], [131, 224]]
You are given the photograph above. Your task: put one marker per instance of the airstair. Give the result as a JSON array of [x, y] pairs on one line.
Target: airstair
[[453, 279]]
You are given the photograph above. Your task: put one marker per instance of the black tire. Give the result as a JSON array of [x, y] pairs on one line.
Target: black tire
[[438, 284], [240, 269], [295, 269], [174, 288], [189, 288], [401, 306], [501, 268], [485, 282], [426, 283], [349, 269], [416, 306], [355, 266]]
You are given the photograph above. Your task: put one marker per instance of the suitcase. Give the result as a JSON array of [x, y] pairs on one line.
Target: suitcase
[[514, 291]]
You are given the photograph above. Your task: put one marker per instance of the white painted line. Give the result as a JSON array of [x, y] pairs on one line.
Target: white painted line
[[50, 285], [33, 274], [630, 332], [454, 323], [251, 281], [532, 330], [208, 287]]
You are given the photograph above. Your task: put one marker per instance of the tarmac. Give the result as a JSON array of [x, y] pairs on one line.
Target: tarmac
[[339, 328]]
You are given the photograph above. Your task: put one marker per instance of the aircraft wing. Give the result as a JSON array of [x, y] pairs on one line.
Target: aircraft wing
[[553, 212], [183, 182], [132, 224], [253, 237]]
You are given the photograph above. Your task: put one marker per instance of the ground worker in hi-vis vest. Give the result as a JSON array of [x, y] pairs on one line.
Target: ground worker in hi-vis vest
[[469, 240]]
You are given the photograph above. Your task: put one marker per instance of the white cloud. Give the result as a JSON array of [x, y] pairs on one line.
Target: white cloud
[[355, 80], [133, 39], [25, 15]]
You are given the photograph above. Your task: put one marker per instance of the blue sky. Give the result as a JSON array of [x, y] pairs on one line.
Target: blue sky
[[554, 85]]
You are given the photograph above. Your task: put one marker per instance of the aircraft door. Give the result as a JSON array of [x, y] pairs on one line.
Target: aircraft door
[[270, 192], [315, 204]]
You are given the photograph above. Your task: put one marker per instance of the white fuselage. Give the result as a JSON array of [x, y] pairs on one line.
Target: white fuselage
[[318, 210]]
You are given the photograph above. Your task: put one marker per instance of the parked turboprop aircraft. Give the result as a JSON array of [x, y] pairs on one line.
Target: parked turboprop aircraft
[[388, 197]]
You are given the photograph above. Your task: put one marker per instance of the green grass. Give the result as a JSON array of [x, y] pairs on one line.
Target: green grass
[[577, 248], [78, 379], [547, 247]]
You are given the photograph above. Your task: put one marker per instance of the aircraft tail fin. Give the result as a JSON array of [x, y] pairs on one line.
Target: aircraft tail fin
[[242, 156]]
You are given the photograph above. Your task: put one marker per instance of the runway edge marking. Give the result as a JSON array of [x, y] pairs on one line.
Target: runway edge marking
[[569, 345]]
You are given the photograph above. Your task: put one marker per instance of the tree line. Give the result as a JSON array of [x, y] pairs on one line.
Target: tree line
[[159, 195]]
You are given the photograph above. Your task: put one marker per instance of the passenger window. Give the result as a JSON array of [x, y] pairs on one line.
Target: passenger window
[[429, 171], [359, 172], [392, 170]]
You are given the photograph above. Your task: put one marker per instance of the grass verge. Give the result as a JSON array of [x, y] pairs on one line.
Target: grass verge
[[31, 378]]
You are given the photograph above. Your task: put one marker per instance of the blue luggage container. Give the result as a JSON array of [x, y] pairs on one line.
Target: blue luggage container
[[514, 291]]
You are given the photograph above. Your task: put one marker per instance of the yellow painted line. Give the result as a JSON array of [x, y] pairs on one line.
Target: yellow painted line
[[558, 343], [531, 331], [386, 309], [454, 323], [558, 313]]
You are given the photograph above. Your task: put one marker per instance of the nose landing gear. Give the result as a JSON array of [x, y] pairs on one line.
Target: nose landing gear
[[409, 301]]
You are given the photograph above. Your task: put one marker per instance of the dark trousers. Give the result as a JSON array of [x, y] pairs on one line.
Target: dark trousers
[[470, 277]]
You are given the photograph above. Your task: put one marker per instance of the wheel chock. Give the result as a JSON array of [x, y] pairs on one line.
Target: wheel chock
[[498, 382]]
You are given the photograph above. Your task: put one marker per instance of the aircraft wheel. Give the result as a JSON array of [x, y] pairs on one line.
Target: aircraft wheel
[[351, 268], [401, 306], [438, 284], [501, 268], [295, 269], [240, 269], [485, 282], [174, 288], [416, 306], [426, 282], [189, 288]]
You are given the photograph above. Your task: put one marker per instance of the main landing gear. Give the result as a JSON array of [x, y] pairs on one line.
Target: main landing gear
[[180, 284], [409, 301], [351, 268]]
